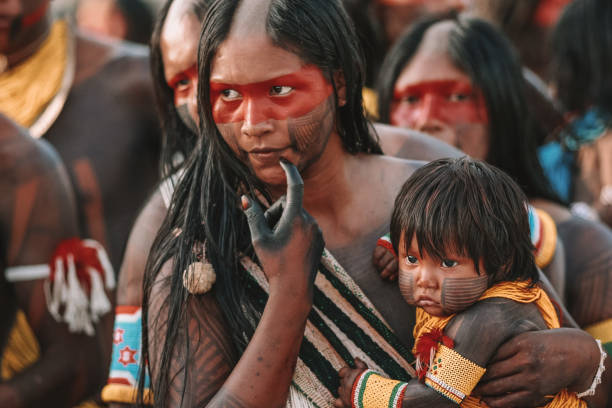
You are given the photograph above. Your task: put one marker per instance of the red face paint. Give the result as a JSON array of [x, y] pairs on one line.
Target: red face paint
[[184, 84], [548, 12], [284, 97], [36, 15], [450, 102]]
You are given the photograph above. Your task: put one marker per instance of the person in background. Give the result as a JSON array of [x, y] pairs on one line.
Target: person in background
[[91, 101], [128, 20], [47, 364]]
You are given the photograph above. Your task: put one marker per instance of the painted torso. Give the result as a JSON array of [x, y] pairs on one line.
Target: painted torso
[[108, 137]]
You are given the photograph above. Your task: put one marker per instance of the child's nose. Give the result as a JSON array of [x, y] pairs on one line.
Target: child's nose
[[426, 277]]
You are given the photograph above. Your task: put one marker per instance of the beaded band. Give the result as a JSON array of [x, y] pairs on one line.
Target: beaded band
[[453, 375], [600, 371], [371, 390], [385, 242]]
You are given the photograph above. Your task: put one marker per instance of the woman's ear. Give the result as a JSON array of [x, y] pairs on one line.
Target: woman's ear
[[340, 83]]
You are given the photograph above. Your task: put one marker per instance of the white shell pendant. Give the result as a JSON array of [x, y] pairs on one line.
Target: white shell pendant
[[199, 277]]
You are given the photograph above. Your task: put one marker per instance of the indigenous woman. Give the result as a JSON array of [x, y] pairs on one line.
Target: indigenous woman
[[174, 66], [458, 80], [280, 94]]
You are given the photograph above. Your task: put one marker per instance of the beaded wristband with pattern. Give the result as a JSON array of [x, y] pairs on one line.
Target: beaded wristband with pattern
[[453, 375], [371, 390]]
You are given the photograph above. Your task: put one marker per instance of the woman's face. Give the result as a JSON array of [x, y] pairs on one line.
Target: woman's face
[[179, 48], [432, 95], [268, 103]]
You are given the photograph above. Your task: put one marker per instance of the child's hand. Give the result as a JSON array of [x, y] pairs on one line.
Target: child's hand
[[385, 260], [347, 379]]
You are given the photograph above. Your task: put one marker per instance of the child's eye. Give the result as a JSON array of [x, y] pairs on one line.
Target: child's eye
[[447, 263], [230, 94], [411, 259], [280, 90]]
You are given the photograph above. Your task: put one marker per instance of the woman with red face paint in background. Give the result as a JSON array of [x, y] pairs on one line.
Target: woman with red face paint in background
[[458, 80], [174, 67], [262, 299]]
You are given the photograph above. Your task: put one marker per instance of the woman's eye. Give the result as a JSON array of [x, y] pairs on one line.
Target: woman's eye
[[280, 90], [411, 259], [447, 263], [182, 84], [230, 94], [458, 97], [410, 99]]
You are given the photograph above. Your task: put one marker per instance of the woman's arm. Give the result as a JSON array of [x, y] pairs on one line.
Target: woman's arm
[[535, 364]]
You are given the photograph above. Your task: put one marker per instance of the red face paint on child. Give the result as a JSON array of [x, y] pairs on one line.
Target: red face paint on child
[[448, 101], [281, 98]]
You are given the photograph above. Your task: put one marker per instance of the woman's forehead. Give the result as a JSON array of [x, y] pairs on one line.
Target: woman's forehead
[[432, 61], [252, 59]]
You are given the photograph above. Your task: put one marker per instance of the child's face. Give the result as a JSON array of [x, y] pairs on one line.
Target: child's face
[[439, 287]]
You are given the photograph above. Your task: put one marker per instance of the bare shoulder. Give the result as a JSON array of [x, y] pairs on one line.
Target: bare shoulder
[[483, 327], [410, 144], [558, 212], [23, 156], [394, 171], [96, 56], [139, 245]]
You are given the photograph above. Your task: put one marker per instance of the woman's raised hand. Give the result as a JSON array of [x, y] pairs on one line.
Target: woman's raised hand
[[287, 240]]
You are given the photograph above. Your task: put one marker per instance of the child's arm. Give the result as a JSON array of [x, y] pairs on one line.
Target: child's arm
[[477, 333]]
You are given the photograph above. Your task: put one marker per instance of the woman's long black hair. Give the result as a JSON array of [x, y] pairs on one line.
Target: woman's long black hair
[[205, 205], [582, 55], [484, 54]]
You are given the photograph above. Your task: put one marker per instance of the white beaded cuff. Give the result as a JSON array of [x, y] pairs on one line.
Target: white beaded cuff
[[600, 371]]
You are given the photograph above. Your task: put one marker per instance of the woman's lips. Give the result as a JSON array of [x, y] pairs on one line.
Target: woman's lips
[[266, 156]]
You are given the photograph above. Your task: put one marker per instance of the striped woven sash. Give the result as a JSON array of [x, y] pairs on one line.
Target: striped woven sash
[[342, 324]]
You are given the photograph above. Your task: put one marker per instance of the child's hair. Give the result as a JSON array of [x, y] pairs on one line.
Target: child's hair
[[471, 208]]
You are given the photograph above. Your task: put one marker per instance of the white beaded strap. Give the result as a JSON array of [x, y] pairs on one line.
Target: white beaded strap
[[600, 371]]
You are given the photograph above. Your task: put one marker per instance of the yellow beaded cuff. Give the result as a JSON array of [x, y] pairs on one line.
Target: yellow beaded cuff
[[548, 240], [371, 390], [603, 332], [453, 375]]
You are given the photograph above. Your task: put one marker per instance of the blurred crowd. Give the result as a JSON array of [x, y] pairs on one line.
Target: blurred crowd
[[100, 121]]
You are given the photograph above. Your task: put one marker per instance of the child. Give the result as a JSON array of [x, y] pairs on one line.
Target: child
[[461, 231]]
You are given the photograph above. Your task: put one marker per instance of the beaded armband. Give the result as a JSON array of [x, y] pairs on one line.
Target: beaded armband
[[385, 242], [123, 376], [453, 375], [371, 390]]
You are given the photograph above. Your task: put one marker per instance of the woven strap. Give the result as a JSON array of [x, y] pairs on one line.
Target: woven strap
[[342, 324], [453, 375], [371, 390]]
